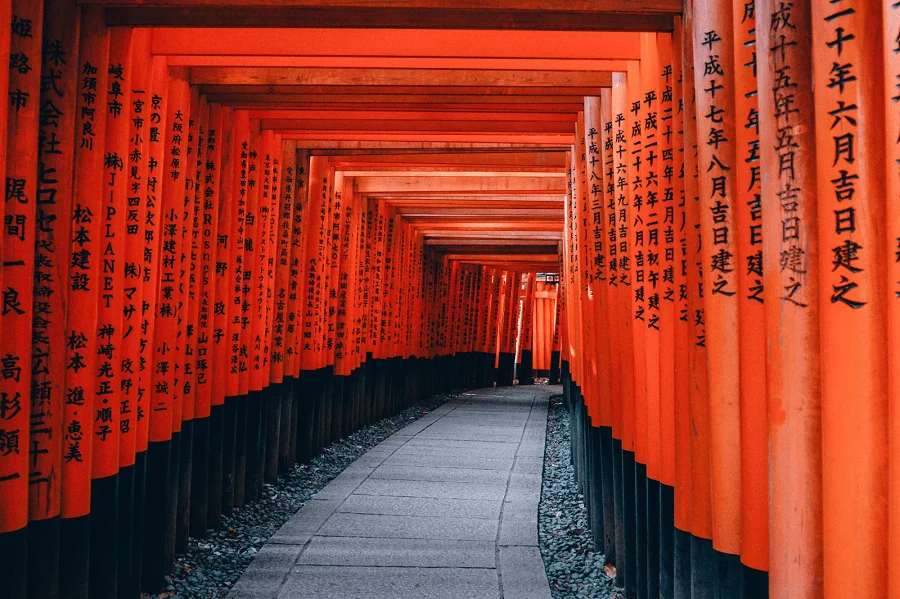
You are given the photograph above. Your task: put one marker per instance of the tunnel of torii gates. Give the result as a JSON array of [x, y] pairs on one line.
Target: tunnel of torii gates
[[236, 231]]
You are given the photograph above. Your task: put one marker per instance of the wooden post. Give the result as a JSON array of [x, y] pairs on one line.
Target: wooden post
[[752, 316], [53, 213], [892, 127], [846, 37]]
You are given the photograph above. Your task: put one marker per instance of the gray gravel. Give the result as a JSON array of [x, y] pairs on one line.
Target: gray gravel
[[573, 568], [213, 564]]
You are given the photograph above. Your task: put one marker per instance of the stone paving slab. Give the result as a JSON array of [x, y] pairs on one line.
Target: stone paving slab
[[342, 582], [449, 475], [411, 553], [445, 508], [422, 506], [452, 461]]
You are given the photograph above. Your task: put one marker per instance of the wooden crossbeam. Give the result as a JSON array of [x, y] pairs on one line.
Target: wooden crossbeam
[[382, 43], [271, 76], [613, 15]]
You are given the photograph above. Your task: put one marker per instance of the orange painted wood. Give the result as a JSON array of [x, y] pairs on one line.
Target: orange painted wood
[[240, 173], [611, 211], [136, 220], [409, 43], [624, 319], [195, 148], [282, 361], [850, 143], [17, 268], [259, 367], [701, 509], [751, 311], [250, 350], [636, 223], [165, 407], [223, 306], [892, 128], [209, 184], [653, 242], [299, 232], [714, 84], [683, 316], [159, 423], [793, 364], [53, 227], [316, 217], [669, 221], [84, 271], [111, 407]]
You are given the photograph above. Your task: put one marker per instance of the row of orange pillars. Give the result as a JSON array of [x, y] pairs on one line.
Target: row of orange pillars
[[731, 281], [192, 306]]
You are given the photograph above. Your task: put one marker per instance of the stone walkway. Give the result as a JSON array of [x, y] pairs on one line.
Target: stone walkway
[[445, 508]]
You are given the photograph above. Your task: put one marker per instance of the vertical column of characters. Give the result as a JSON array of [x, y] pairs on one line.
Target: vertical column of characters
[[114, 103], [193, 506], [249, 408], [84, 266], [219, 179], [171, 213], [134, 423], [229, 256], [234, 493], [669, 221], [622, 256], [749, 264], [274, 223], [850, 137], [17, 271], [193, 218], [362, 271], [484, 311], [611, 101], [790, 273], [343, 326], [295, 304], [373, 257], [251, 261], [225, 213], [259, 374], [334, 256], [282, 362], [636, 225], [210, 185], [53, 228], [567, 270], [313, 229], [652, 216], [272, 406], [241, 158], [388, 306], [581, 365], [701, 509], [156, 108], [156, 431], [715, 83], [611, 245], [596, 244], [682, 315], [891, 51], [110, 400], [83, 289]]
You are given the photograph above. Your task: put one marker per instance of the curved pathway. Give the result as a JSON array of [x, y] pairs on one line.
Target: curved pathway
[[445, 508]]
